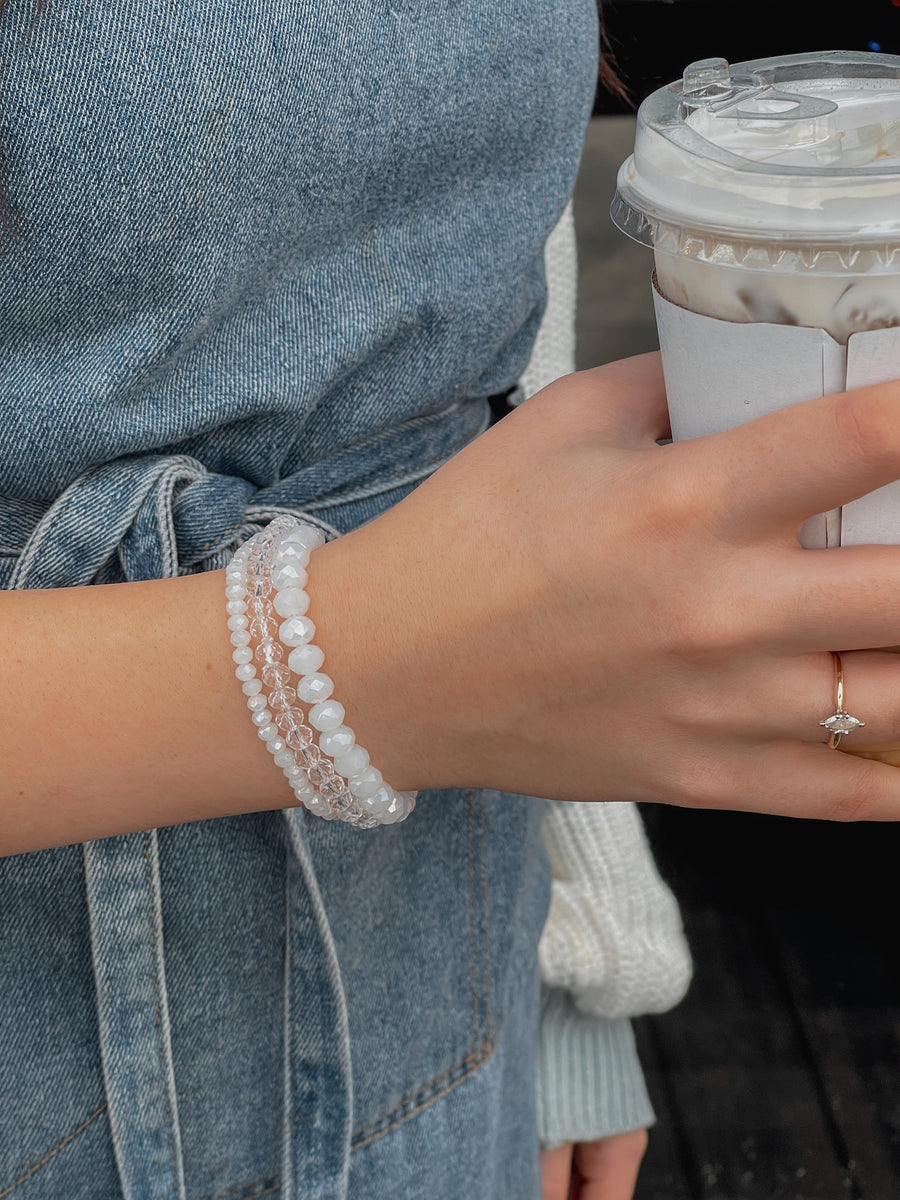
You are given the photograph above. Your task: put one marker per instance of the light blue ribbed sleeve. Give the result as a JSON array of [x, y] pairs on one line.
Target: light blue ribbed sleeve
[[589, 1082]]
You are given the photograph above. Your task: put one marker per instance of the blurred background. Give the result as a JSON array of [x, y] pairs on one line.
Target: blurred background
[[778, 1078]]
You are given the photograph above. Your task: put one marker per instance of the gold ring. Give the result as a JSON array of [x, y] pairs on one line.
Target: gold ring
[[840, 722]]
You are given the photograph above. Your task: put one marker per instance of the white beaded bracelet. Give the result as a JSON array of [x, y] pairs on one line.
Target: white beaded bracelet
[[334, 778]]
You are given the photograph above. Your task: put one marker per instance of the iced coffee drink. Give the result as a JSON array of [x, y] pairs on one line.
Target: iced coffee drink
[[770, 190], [770, 194]]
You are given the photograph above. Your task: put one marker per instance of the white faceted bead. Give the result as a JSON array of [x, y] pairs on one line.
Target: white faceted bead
[[267, 732], [242, 655], [327, 715], [240, 637], [234, 576], [292, 602], [245, 672], [240, 622], [365, 783], [304, 535], [257, 702], [352, 761], [289, 575], [291, 552], [282, 758], [396, 811], [314, 688], [337, 741], [296, 631], [304, 660], [252, 687], [304, 790], [293, 771], [378, 804], [235, 591], [235, 607], [261, 717]]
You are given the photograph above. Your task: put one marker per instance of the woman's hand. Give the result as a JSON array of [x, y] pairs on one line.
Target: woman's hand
[[606, 1169], [568, 609]]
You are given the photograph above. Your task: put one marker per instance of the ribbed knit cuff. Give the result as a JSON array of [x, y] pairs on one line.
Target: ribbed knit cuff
[[589, 1078]]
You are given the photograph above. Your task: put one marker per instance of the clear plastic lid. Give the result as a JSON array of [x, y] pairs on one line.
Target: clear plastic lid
[[800, 151]]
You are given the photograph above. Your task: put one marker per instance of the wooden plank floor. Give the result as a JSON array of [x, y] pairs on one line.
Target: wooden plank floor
[[778, 1078]]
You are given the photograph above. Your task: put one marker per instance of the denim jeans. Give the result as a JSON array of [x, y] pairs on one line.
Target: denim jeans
[[264, 259]]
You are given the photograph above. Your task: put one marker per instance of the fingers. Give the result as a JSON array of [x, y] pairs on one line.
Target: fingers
[[556, 1172], [609, 1166], [843, 598], [805, 459], [795, 779]]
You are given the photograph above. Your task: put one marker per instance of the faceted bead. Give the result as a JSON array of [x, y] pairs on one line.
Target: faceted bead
[[240, 637], [296, 631], [303, 535], [281, 758], [326, 715], [351, 762], [235, 591], [292, 602], [267, 732], [304, 660], [242, 655], [235, 607], [378, 804], [291, 717], [314, 688], [337, 741], [252, 687], [296, 738], [289, 575], [291, 552], [276, 675], [261, 717], [395, 811], [257, 703], [269, 651], [365, 783], [245, 672], [239, 622]]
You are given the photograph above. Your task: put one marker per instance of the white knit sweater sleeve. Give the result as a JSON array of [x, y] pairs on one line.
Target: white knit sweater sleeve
[[613, 945]]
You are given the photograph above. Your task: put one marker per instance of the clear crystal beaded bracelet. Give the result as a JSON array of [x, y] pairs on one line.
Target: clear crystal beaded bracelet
[[329, 773]]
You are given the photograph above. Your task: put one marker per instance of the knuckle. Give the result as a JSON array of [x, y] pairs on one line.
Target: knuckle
[[863, 428]]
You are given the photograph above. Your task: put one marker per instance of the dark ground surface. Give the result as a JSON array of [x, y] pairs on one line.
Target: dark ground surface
[[777, 1078]]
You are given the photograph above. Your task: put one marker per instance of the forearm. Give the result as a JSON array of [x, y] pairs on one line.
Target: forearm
[[120, 712]]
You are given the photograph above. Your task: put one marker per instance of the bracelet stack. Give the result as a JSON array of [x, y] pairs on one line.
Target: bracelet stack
[[289, 696]]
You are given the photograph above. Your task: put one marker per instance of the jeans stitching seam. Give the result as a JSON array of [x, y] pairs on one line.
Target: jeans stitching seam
[[56, 1149], [426, 1094], [159, 1035], [423, 1098]]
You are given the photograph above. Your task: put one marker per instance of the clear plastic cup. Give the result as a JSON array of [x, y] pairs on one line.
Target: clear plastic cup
[[770, 190]]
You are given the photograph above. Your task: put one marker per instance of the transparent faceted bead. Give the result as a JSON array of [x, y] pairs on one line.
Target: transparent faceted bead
[[291, 718], [296, 739], [263, 629], [276, 675], [269, 651]]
